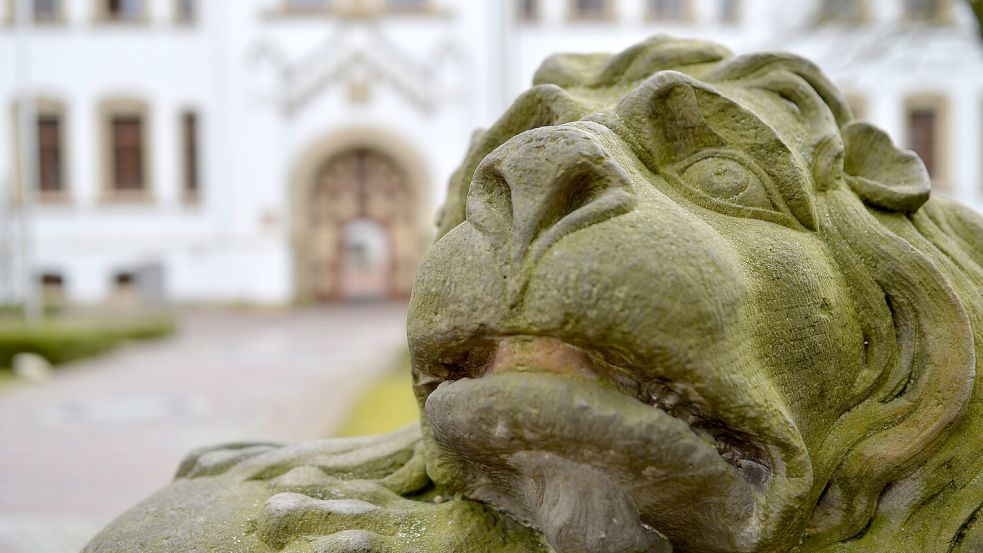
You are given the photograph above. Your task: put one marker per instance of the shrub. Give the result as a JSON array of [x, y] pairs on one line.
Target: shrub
[[60, 342]]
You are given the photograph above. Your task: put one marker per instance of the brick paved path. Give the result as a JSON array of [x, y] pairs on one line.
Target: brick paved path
[[105, 433]]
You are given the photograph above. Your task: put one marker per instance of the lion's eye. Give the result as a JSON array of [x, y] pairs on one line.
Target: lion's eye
[[729, 180]]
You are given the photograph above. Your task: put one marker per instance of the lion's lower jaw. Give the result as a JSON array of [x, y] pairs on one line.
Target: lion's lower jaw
[[624, 477], [582, 509]]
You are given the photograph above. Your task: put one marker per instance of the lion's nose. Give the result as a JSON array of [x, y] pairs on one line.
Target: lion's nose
[[542, 185]]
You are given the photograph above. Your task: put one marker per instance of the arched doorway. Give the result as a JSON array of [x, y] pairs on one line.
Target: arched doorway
[[361, 230]]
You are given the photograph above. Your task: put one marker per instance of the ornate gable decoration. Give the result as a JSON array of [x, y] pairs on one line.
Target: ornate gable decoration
[[357, 53]]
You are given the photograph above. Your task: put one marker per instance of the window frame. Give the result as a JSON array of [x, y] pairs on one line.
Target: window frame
[[125, 107], [522, 16], [423, 7], [286, 7], [574, 15], [181, 18], [53, 287], [41, 106], [124, 287], [105, 16], [862, 14], [943, 14], [685, 16], [734, 18], [940, 162], [59, 18]]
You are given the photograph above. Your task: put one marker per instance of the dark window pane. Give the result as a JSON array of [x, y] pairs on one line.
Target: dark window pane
[[841, 10], [922, 125], [302, 5], [46, 9], [528, 9], [124, 280], [407, 4], [922, 9], [49, 153], [52, 279], [590, 9], [667, 9], [729, 10], [124, 9], [189, 132], [187, 10], [127, 136]]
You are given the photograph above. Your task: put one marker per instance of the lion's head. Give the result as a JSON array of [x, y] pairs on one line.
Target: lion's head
[[681, 297]]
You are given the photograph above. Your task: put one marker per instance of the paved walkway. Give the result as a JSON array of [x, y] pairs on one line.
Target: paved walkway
[[79, 450]]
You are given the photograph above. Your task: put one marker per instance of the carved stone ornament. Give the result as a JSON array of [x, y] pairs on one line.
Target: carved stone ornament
[[679, 301]]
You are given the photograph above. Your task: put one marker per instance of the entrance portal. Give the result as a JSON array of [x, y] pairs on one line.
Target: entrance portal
[[360, 228]]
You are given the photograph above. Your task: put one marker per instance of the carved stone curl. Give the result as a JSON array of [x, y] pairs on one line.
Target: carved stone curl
[[680, 301]]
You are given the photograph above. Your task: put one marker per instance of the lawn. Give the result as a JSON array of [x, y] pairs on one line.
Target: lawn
[[7, 378], [387, 405]]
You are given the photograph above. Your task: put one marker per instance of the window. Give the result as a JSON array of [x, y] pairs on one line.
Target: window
[[125, 149], [52, 279], [186, 11], [127, 138], [844, 11], [47, 10], [307, 5], [189, 151], [407, 5], [528, 10], [590, 9], [124, 280], [124, 10], [52, 289], [49, 156], [730, 10], [922, 10], [47, 146], [124, 292], [670, 10], [926, 127], [922, 128]]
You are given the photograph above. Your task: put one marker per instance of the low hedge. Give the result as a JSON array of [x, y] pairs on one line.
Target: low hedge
[[62, 342]]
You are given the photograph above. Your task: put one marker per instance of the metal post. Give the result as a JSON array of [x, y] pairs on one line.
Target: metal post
[[27, 139]]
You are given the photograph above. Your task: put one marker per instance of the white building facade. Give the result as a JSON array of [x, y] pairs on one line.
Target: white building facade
[[269, 151]]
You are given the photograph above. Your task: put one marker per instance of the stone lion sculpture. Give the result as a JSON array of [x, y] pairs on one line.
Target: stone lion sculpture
[[679, 301]]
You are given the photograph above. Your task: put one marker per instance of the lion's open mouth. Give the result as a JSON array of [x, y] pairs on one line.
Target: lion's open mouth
[[527, 354], [542, 415]]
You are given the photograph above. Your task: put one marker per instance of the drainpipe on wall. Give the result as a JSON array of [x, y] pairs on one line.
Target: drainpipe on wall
[[8, 284], [26, 131]]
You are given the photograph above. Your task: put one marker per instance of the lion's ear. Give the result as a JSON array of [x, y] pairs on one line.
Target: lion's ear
[[880, 173]]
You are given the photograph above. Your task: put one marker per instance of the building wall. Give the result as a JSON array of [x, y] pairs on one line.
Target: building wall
[[269, 87]]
